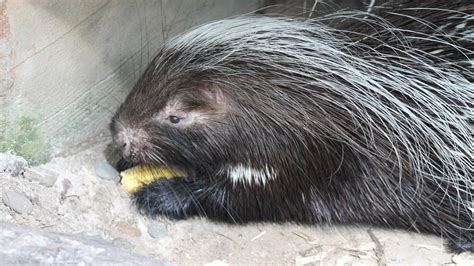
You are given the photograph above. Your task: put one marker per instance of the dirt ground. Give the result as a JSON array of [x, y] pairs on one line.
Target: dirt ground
[[80, 202]]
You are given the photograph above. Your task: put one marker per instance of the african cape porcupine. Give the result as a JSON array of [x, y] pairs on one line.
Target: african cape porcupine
[[347, 118]]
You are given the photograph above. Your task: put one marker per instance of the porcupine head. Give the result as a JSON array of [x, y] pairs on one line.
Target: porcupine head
[[206, 130]]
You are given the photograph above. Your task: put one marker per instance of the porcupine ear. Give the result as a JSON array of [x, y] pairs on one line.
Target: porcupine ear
[[215, 95]]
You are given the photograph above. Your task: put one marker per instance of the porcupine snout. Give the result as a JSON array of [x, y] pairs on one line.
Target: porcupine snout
[[133, 143]]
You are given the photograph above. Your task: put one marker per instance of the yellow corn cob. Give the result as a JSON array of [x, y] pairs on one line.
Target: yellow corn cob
[[135, 178]]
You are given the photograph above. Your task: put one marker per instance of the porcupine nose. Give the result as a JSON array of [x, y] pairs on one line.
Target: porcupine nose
[[132, 142], [125, 147]]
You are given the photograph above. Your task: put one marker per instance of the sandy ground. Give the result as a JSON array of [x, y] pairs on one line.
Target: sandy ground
[[80, 202]]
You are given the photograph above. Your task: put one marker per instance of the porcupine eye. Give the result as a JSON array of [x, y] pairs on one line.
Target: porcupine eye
[[174, 119]]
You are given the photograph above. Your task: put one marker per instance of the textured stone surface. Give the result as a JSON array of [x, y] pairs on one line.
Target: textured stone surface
[[12, 163], [44, 176], [105, 171], [17, 202], [157, 229], [21, 245], [128, 229], [122, 243]]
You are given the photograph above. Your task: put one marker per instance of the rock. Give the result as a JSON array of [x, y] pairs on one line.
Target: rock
[[42, 175], [128, 229], [465, 258], [123, 243], [6, 84], [105, 171], [27, 246], [217, 263], [157, 229], [63, 187], [12, 163], [17, 202], [61, 210]]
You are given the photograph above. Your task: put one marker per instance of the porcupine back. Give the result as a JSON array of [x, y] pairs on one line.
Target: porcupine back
[[356, 117]]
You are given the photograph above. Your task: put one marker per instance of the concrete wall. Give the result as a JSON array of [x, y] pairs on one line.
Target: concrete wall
[[322, 7], [66, 65]]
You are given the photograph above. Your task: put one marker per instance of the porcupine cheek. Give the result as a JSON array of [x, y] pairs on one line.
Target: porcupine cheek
[[134, 144]]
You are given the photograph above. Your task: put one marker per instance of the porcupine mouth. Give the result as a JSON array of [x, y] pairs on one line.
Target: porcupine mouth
[[135, 178]]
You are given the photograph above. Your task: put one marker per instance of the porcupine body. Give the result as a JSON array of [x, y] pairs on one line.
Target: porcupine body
[[347, 118]]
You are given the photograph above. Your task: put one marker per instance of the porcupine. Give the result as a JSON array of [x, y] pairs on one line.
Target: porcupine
[[346, 118]]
